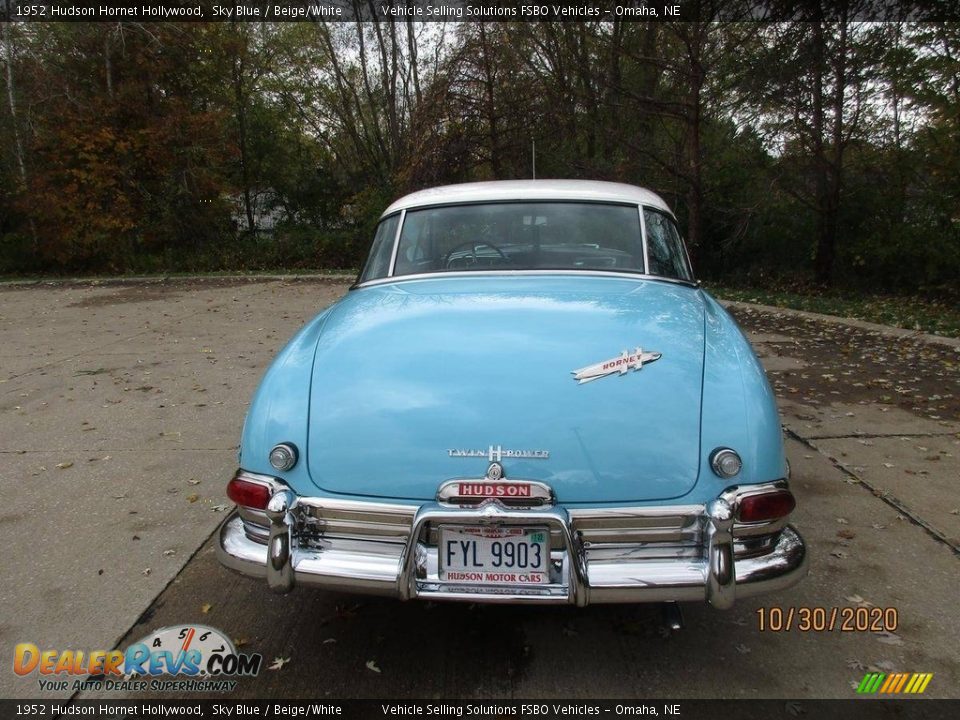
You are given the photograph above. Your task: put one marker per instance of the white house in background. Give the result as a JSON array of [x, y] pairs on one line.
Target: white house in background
[[268, 210]]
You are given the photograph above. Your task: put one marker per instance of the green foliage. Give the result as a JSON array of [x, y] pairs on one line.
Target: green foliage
[[251, 146]]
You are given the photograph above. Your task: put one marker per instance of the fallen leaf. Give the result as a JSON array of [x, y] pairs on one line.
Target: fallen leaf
[[205, 608], [839, 554], [240, 642], [372, 665], [328, 641], [218, 508], [192, 498], [64, 465], [846, 534], [168, 553], [278, 663], [146, 571], [193, 482], [843, 521], [888, 638], [794, 708]]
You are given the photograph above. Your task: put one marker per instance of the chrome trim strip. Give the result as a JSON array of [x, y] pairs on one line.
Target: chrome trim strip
[[643, 236], [513, 273], [639, 512], [396, 244], [374, 507], [271, 482], [532, 197]]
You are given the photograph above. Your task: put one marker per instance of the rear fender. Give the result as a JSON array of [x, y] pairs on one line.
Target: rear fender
[[739, 410]]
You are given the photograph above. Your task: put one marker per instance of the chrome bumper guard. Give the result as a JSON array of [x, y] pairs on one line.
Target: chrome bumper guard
[[609, 555]]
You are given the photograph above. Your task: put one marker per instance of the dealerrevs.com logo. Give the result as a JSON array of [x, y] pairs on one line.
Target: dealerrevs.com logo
[[205, 656]]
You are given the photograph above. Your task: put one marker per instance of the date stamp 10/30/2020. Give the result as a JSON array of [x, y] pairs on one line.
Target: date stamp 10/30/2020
[[828, 619]]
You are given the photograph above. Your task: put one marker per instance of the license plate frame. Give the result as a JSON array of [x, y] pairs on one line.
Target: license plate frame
[[489, 574]]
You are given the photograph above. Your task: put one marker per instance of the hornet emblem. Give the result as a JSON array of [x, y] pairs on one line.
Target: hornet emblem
[[626, 361]]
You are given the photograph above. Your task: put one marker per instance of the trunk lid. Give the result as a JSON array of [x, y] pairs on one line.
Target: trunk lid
[[404, 373]]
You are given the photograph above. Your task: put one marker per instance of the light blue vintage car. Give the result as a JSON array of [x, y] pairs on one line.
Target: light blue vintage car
[[525, 398]]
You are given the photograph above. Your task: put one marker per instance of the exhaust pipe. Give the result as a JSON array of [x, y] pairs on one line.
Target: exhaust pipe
[[672, 616]]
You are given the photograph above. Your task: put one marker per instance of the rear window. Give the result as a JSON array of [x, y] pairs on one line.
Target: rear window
[[539, 235], [521, 236]]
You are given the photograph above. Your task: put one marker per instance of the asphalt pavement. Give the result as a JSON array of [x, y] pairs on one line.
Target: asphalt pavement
[[120, 410]]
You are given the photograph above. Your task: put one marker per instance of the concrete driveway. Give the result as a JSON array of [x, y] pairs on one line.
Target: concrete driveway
[[120, 409]]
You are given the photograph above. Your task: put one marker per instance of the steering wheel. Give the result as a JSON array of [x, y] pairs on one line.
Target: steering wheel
[[473, 244]]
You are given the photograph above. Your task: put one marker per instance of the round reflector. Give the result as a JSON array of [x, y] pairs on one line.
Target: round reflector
[[725, 462], [283, 456], [766, 506]]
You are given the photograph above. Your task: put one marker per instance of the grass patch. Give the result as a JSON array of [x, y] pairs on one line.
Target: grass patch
[[912, 313]]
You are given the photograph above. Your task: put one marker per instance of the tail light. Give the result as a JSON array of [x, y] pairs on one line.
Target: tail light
[[765, 506], [247, 493]]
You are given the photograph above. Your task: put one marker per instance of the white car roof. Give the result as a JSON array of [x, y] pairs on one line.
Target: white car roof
[[588, 190]]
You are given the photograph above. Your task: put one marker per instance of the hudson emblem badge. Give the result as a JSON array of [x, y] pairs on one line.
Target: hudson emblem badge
[[625, 362]]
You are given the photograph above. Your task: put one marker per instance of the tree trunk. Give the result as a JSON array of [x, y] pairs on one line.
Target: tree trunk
[[489, 106], [831, 167], [107, 63], [825, 228], [611, 100], [240, 99], [414, 62], [697, 77], [12, 102]]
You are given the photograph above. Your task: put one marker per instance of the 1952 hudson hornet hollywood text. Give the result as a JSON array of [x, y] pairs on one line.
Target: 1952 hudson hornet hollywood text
[[524, 398]]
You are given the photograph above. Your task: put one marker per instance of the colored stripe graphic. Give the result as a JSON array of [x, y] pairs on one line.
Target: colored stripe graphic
[[903, 681], [912, 683]]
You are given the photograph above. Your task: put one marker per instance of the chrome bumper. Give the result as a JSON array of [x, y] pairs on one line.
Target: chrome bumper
[[617, 555]]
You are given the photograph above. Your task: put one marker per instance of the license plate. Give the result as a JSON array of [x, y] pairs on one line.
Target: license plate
[[494, 556]]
